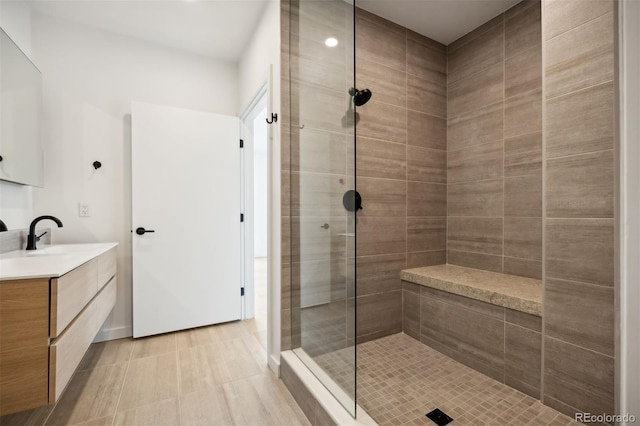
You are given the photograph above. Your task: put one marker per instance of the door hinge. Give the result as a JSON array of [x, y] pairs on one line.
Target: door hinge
[[241, 291], [241, 143], [241, 217]]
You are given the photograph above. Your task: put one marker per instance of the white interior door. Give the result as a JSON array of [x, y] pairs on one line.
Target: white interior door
[[186, 188]]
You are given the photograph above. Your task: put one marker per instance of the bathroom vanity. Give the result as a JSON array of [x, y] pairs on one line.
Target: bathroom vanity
[[53, 302]]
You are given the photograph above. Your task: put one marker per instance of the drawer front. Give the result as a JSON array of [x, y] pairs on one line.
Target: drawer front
[[66, 352], [106, 267], [70, 294]]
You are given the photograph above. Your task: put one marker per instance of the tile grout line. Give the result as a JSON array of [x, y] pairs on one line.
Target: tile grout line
[[504, 90], [124, 380]]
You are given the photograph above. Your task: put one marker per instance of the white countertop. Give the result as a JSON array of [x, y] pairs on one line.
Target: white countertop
[[48, 260]]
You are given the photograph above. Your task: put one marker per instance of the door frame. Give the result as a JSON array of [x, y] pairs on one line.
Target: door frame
[[258, 102]]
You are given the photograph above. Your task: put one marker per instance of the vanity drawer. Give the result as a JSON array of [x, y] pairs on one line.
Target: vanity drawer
[[66, 352], [70, 293], [106, 267]]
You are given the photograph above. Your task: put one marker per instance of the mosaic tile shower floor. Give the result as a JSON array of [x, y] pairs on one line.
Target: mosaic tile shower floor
[[401, 379]]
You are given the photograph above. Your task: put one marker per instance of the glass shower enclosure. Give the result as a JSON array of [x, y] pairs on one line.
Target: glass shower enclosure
[[323, 198]]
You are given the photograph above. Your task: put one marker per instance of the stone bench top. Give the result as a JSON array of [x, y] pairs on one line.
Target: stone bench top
[[513, 292]]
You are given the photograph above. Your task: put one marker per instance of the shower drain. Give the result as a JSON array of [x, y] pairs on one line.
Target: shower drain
[[439, 417]]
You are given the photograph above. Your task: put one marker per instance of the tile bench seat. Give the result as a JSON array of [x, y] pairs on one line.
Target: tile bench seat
[[488, 321]]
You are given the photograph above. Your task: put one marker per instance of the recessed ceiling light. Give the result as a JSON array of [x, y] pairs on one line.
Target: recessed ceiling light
[[331, 42]]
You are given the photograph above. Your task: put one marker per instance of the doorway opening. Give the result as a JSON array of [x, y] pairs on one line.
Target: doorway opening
[[255, 136]]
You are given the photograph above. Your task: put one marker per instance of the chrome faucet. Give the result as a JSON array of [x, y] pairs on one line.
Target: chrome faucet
[[32, 239]]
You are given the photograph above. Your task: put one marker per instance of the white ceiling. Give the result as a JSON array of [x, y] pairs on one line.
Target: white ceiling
[[222, 28], [441, 20], [215, 28]]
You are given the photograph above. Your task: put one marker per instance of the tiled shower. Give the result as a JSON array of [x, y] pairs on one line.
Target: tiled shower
[[496, 152]]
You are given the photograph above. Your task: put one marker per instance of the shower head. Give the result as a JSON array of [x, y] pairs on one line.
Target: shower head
[[360, 97]]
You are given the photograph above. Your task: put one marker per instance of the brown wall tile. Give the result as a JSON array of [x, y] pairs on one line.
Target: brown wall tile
[[380, 313], [523, 359], [426, 131], [376, 44], [478, 126], [426, 96], [532, 322], [475, 234], [324, 152], [580, 250], [486, 262], [477, 162], [522, 31], [464, 331], [426, 165], [523, 155], [523, 72], [483, 198], [379, 274], [476, 91], [523, 196], [387, 84], [381, 235], [523, 237], [426, 199], [581, 314], [478, 306], [477, 55], [523, 114], [427, 61], [381, 197], [581, 185], [564, 15], [380, 159], [570, 377], [411, 314], [580, 122], [580, 58], [381, 121], [426, 234], [522, 267], [428, 258]]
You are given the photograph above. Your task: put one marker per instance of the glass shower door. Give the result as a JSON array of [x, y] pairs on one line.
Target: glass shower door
[[323, 226]]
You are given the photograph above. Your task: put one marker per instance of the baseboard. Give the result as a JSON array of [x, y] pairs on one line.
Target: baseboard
[[274, 365], [113, 334]]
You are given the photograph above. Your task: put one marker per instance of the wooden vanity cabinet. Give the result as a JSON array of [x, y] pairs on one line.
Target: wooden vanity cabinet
[[46, 326]]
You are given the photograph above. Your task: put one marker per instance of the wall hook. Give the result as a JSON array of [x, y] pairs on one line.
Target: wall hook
[[274, 118], [97, 165]]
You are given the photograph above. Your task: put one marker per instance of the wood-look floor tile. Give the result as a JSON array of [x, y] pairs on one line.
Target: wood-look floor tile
[[204, 408], [35, 417], [154, 345], [162, 413], [102, 421], [201, 367], [107, 353], [277, 399], [243, 357], [149, 380], [194, 337], [247, 407], [91, 394]]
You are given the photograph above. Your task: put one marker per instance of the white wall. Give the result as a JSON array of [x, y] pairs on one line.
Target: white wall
[[90, 78], [263, 49], [16, 200]]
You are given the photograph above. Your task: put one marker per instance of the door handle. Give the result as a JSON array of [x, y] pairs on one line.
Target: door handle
[[142, 231]]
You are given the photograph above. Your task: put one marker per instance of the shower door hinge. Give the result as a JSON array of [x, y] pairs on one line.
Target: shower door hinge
[[241, 217], [241, 291], [241, 143]]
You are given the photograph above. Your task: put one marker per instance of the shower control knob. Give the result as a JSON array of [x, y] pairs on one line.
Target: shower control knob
[[325, 226]]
